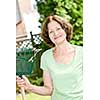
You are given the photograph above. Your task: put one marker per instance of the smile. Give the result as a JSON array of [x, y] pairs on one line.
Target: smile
[[57, 37]]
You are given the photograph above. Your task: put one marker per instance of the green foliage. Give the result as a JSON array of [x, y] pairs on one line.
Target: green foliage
[[70, 9], [37, 81]]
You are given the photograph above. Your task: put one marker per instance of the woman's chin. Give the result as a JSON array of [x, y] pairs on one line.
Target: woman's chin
[[58, 41]]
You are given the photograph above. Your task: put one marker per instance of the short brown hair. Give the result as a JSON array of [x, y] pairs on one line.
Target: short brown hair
[[64, 24]]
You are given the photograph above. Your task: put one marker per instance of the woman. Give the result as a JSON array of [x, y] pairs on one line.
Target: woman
[[62, 64]]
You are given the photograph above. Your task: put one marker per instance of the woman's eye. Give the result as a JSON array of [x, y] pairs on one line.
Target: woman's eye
[[51, 32], [58, 29]]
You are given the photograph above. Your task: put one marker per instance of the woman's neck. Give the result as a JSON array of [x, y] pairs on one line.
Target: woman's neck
[[63, 48]]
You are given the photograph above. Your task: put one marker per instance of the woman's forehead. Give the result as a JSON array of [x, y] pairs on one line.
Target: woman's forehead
[[53, 24]]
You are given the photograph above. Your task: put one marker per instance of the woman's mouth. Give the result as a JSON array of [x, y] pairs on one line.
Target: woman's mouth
[[56, 37]]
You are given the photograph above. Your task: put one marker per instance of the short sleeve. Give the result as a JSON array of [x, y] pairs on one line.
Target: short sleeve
[[43, 62]]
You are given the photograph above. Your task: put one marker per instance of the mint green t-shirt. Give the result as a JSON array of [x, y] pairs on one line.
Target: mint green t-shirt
[[67, 78]]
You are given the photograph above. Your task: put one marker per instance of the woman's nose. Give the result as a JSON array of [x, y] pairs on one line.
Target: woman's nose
[[55, 33]]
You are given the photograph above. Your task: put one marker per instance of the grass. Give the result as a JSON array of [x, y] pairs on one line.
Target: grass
[[32, 96]]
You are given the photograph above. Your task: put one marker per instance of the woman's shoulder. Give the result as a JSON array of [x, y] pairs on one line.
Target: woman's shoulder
[[79, 49], [47, 52]]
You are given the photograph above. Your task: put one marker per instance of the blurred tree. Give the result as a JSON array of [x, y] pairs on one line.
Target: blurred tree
[[70, 9]]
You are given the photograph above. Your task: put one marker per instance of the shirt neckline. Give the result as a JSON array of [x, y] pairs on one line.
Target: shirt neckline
[[72, 61]]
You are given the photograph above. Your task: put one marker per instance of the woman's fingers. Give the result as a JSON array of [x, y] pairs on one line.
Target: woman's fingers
[[25, 79], [17, 77], [22, 82]]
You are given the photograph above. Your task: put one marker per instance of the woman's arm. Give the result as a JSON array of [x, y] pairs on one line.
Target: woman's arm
[[46, 89], [42, 90]]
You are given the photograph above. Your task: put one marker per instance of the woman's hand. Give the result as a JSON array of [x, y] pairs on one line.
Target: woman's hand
[[23, 82], [41, 90]]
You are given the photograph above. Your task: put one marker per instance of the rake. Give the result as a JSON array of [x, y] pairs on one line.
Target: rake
[[24, 64], [25, 60]]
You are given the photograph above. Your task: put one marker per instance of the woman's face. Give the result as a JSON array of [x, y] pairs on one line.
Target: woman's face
[[56, 33]]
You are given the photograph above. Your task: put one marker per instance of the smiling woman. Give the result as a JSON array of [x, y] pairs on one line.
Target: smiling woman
[[56, 32], [62, 64], [62, 26]]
